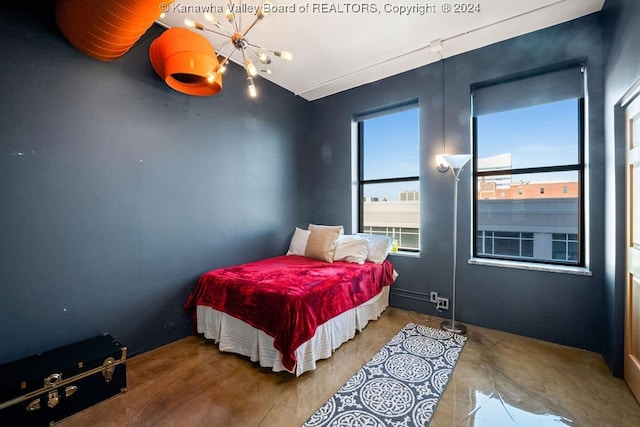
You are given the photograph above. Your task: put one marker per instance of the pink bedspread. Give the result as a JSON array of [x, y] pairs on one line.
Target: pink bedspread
[[288, 297]]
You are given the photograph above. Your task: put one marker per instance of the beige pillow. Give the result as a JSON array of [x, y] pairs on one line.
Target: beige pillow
[[321, 244]]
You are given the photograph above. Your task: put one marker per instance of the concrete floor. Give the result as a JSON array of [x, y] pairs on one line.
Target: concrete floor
[[500, 380]]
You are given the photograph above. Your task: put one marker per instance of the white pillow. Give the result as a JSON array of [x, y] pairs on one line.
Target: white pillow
[[379, 247], [298, 242], [351, 249]]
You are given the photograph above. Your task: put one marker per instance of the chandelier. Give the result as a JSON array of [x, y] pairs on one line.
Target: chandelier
[[238, 42]]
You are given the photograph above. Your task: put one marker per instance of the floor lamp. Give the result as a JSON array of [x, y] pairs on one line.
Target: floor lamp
[[455, 162]]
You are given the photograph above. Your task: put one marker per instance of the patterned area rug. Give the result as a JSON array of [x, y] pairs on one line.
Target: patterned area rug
[[400, 386]]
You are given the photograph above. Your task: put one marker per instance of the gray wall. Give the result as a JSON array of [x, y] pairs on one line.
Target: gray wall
[[116, 191], [620, 18], [556, 307]]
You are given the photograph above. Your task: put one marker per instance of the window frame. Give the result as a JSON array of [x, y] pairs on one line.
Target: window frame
[[361, 182], [577, 167]]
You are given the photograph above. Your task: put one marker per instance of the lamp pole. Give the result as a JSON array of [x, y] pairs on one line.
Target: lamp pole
[[455, 162]]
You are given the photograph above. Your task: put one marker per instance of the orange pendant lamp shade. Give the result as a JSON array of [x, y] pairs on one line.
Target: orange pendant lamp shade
[[106, 29], [186, 61]]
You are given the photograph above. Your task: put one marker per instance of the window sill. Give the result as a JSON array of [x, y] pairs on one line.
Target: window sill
[[405, 254], [522, 265]]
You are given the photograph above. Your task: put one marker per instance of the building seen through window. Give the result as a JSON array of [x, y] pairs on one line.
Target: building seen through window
[[534, 220], [548, 215], [399, 219]]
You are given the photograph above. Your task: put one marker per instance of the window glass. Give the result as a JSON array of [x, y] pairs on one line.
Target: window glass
[[543, 135], [391, 146], [528, 179], [389, 185]]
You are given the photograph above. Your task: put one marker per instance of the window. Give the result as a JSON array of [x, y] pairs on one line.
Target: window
[[388, 171], [528, 168], [517, 245], [565, 247]]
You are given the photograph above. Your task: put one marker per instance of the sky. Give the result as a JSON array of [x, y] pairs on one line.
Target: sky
[[542, 135], [392, 149]]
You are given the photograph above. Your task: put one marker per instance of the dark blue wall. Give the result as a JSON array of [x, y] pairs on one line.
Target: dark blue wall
[[620, 18], [116, 191], [562, 308]]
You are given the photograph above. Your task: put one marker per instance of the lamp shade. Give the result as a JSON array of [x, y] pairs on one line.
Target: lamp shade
[[186, 61], [455, 161], [106, 29]]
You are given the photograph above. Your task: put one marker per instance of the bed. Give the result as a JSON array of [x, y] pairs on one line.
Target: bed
[[287, 312]]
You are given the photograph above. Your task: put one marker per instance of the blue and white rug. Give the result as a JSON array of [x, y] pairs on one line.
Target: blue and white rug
[[400, 386]]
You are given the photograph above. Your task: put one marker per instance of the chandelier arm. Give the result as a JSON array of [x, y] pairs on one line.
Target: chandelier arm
[[225, 34], [234, 21], [266, 49], [256, 49], [225, 44], [223, 63], [224, 55], [221, 50], [265, 59], [228, 58], [244, 58], [256, 46], [251, 26]]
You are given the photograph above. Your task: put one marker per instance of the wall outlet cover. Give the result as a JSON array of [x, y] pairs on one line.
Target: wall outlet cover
[[433, 297]]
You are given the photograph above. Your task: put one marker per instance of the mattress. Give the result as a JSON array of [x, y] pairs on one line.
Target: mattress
[[235, 336]]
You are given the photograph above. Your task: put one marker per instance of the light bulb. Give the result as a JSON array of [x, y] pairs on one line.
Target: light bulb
[[251, 69], [260, 14], [229, 15], [193, 24], [441, 163], [209, 17], [264, 58], [268, 6], [283, 54], [252, 87]]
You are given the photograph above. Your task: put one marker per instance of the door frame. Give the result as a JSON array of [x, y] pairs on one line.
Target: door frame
[[631, 106]]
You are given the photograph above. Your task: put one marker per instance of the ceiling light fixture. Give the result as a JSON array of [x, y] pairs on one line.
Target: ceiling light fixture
[[106, 29], [239, 42], [184, 60]]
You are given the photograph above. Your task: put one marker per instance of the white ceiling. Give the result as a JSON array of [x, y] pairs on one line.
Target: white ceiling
[[339, 49]]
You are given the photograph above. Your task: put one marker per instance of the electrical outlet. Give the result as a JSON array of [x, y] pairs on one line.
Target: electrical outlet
[[433, 297], [443, 303]]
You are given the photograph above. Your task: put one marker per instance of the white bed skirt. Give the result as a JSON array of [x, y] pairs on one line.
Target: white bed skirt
[[234, 335]]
